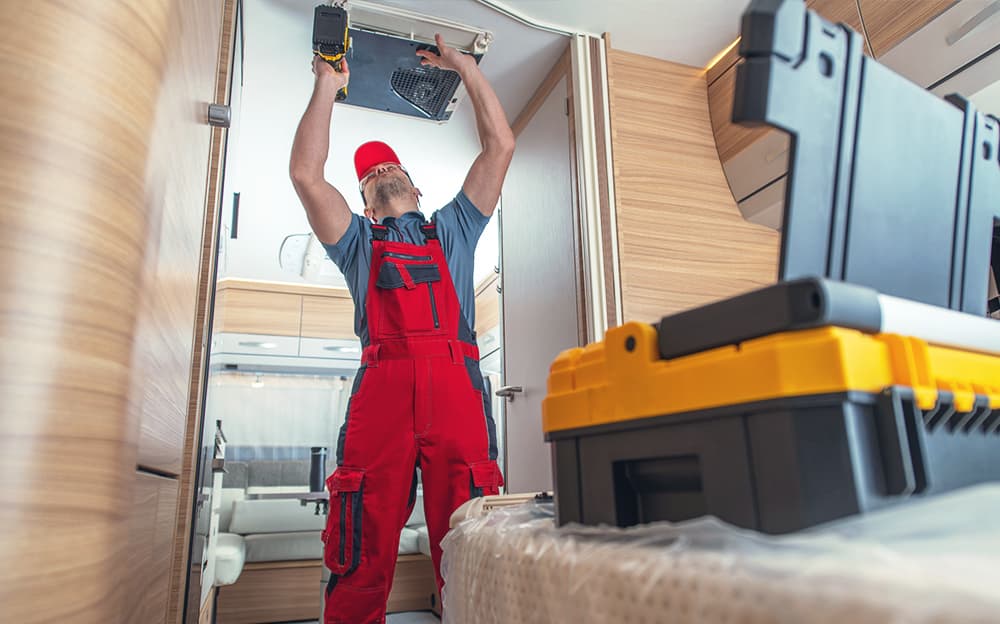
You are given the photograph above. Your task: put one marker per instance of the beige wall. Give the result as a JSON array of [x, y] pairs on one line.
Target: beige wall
[[682, 240]]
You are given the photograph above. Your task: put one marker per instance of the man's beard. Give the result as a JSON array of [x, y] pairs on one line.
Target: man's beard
[[389, 188]]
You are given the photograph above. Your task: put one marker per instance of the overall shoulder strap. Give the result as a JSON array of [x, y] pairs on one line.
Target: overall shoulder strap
[[429, 230], [379, 232]]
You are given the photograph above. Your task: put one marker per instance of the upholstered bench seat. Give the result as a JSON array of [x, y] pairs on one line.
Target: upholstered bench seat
[[230, 555]]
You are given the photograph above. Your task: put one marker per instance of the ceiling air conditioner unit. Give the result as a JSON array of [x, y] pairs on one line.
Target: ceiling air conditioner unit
[[386, 74]]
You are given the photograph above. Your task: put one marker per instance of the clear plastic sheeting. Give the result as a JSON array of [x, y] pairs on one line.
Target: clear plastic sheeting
[[936, 560]]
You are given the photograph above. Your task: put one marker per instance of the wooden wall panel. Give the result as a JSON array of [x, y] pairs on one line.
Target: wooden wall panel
[[258, 312], [207, 614], [206, 287], [174, 202], [682, 241], [890, 21], [151, 545], [75, 138], [331, 316], [281, 591], [414, 587], [272, 592]]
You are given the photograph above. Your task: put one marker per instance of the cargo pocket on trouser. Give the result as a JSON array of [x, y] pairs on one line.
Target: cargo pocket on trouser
[[484, 479], [342, 538]]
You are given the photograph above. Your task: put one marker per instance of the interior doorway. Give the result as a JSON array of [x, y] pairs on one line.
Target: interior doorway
[[283, 352]]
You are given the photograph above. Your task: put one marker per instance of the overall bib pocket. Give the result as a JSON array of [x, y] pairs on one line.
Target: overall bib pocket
[[408, 299]]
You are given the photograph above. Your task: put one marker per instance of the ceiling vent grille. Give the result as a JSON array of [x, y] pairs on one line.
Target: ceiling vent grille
[[428, 88], [386, 74]]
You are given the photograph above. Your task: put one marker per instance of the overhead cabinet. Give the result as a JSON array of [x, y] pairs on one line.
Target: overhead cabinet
[[755, 160]]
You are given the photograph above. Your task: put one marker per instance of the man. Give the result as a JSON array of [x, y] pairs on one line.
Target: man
[[418, 398]]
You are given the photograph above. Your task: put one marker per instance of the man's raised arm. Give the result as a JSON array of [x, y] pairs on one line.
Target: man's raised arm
[[485, 179], [329, 215]]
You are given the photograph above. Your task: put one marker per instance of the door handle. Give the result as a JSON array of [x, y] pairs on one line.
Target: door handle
[[508, 392]]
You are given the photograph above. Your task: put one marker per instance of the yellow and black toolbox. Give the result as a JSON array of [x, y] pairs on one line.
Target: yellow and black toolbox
[[868, 375], [777, 431]]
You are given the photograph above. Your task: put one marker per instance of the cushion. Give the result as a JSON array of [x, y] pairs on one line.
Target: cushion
[[274, 516], [226, 500], [284, 546], [417, 517], [423, 541], [408, 542], [235, 475], [230, 554], [308, 545], [282, 472]]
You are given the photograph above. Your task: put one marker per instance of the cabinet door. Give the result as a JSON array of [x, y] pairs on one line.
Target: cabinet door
[[751, 157], [957, 43], [241, 311], [175, 210], [755, 160], [328, 317], [888, 23], [150, 547]]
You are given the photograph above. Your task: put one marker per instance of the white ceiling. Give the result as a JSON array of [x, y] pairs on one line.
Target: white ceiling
[[684, 31]]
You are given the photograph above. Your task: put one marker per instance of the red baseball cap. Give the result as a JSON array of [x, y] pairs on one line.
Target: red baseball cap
[[373, 153]]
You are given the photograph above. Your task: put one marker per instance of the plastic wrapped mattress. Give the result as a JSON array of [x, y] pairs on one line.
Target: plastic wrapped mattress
[[936, 560]]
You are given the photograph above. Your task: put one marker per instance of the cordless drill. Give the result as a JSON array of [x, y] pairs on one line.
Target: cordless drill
[[330, 38]]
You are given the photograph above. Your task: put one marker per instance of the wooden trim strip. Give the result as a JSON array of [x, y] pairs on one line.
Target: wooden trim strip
[[275, 565], [181, 544], [283, 287], [602, 134], [559, 71], [486, 283], [722, 62]]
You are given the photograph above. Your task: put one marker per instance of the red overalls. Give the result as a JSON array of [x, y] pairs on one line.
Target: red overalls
[[418, 399]]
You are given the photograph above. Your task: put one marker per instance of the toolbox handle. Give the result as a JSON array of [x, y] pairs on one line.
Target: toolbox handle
[[898, 433]]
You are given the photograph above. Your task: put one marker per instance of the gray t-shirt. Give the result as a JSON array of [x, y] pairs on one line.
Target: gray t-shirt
[[459, 225]]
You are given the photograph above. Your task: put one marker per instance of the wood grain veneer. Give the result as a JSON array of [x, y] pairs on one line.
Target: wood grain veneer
[[76, 147], [175, 613], [682, 241], [890, 21]]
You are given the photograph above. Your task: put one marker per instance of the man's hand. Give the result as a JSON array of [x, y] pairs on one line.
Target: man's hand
[[449, 58], [328, 76]]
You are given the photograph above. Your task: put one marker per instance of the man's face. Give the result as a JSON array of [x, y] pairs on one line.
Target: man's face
[[384, 183]]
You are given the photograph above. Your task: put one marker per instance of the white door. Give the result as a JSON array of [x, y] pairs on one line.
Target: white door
[[539, 284]]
